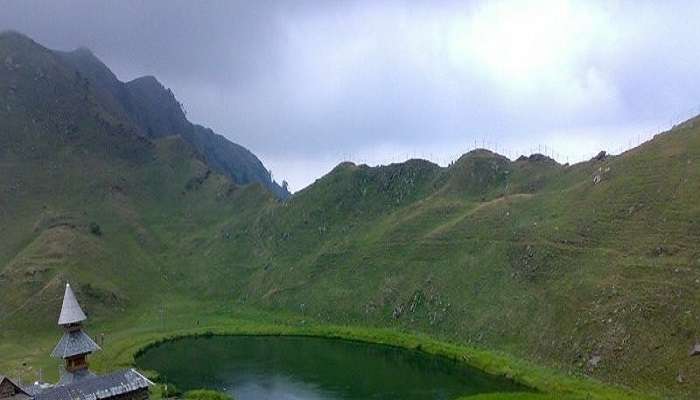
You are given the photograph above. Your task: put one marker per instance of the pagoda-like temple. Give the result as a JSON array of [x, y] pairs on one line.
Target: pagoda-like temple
[[77, 382], [75, 345]]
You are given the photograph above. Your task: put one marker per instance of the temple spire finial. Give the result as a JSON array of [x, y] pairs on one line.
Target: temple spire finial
[[71, 313]]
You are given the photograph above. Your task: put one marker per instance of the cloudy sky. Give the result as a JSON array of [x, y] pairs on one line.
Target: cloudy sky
[[307, 84]]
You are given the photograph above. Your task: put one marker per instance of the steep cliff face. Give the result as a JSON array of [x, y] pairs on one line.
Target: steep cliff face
[[155, 112]]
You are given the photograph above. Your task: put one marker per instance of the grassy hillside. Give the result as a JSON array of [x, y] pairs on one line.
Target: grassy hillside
[[85, 196], [591, 269], [529, 257]]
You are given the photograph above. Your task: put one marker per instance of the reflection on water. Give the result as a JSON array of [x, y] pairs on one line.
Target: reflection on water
[[298, 368], [277, 386]]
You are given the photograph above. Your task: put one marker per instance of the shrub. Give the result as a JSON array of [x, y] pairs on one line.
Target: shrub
[[95, 229]]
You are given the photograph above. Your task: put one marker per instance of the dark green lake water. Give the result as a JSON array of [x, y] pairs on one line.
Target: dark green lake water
[[303, 368]]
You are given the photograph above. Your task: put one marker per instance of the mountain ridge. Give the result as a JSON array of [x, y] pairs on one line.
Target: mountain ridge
[[152, 107]]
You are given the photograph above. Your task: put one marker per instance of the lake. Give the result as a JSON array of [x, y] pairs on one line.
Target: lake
[[306, 368]]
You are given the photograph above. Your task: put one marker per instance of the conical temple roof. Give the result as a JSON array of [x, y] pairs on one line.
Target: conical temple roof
[[71, 312], [73, 344]]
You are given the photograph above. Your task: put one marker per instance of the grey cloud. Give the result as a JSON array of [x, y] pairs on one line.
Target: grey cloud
[[305, 84]]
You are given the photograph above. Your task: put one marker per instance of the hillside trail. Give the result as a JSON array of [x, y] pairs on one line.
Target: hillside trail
[[36, 295], [470, 212]]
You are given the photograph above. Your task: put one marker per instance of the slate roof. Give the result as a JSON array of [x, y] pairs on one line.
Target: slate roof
[[3, 377], [21, 392], [97, 387], [37, 387], [71, 312], [72, 377], [73, 343]]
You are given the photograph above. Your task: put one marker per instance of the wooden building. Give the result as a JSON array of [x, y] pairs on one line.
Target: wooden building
[[11, 391], [77, 381], [75, 345]]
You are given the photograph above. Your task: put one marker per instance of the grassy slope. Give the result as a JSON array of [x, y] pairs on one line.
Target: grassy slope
[[526, 258], [66, 163], [541, 263]]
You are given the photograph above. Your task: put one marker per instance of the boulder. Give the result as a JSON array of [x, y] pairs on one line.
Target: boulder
[[594, 361], [601, 156], [695, 350]]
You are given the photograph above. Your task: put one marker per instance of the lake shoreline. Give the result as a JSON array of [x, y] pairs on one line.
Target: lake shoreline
[[251, 367], [543, 381]]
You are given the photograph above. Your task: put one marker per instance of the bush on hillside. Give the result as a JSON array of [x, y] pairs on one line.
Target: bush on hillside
[[95, 229]]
